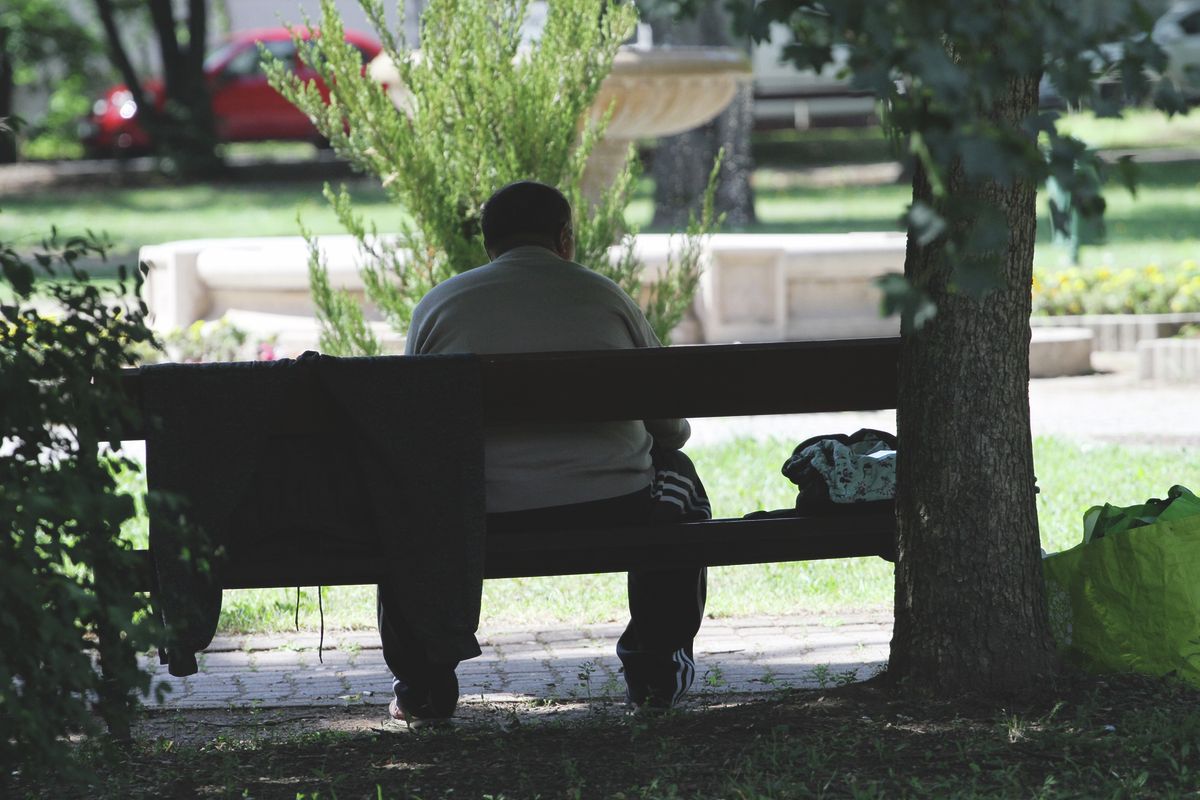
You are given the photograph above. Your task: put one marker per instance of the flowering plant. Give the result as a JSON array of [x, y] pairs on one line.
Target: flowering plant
[[1144, 290]]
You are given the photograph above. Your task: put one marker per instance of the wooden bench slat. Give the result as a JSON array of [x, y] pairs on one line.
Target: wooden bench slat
[[694, 381], [573, 552], [691, 381]]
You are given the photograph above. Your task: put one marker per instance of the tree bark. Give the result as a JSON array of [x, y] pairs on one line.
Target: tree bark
[[682, 163], [970, 607], [8, 140]]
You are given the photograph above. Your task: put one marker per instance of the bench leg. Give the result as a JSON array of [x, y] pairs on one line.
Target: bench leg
[[116, 706]]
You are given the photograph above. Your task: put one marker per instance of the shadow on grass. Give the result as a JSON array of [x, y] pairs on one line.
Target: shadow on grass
[[1127, 737], [1141, 223], [821, 147]]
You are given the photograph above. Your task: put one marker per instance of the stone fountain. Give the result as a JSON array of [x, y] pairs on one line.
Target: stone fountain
[[652, 92]]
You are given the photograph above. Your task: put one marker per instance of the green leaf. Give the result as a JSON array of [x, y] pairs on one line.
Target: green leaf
[[978, 277], [20, 276], [1168, 98], [984, 158], [923, 222], [1127, 171], [913, 304]]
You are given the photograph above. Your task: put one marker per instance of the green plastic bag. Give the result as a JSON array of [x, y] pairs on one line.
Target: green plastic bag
[[1099, 521], [1129, 599]]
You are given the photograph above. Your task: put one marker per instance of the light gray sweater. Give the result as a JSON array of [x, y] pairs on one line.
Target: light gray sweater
[[530, 300]]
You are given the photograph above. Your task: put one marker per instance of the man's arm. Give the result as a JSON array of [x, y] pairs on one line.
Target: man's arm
[[670, 433]]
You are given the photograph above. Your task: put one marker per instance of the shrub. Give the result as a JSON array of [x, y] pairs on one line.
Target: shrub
[[64, 574], [211, 340], [1148, 290], [487, 108]]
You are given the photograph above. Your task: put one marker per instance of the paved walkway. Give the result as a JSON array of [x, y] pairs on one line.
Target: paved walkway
[[753, 654], [733, 655]]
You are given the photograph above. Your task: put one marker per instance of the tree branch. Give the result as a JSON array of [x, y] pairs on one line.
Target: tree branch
[[104, 9], [197, 34], [163, 18]]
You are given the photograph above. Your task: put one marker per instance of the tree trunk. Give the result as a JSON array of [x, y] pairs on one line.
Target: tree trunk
[[120, 58], [970, 607], [8, 140], [682, 163], [184, 131]]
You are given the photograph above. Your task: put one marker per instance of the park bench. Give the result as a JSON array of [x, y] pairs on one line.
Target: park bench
[[693, 381]]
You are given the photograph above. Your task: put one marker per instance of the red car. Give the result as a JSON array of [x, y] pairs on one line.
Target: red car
[[245, 107]]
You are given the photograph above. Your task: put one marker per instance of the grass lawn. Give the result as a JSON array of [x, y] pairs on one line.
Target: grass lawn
[[1136, 129], [1156, 227], [132, 217], [743, 476]]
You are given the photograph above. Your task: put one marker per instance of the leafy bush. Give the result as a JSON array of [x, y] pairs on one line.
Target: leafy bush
[[57, 134], [485, 108], [1148, 290], [210, 340], [64, 575]]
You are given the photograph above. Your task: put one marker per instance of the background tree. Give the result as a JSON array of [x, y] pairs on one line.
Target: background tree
[[681, 163], [959, 83], [39, 42], [483, 107], [183, 129]]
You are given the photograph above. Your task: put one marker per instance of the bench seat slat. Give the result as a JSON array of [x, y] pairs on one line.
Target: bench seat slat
[[529, 554]]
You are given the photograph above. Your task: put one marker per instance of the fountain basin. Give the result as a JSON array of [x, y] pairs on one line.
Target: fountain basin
[[659, 91]]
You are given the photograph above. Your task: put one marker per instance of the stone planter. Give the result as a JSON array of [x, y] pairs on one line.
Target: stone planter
[[1175, 360], [1120, 332], [1057, 352], [755, 287]]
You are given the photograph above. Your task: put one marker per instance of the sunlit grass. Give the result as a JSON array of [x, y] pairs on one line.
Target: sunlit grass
[[742, 475], [1156, 226], [1137, 128]]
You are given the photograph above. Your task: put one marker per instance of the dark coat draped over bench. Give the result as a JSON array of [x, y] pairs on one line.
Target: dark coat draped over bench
[[397, 413]]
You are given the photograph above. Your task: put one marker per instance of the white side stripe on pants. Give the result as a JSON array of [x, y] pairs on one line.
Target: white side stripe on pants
[[685, 673]]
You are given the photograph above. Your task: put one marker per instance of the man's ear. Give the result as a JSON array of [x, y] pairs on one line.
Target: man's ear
[[566, 243]]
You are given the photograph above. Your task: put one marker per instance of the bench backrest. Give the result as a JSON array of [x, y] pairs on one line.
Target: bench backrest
[[691, 381]]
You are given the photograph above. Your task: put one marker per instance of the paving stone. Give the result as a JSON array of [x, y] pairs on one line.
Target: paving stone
[[757, 654], [501, 639], [233, 658], [553, 636]]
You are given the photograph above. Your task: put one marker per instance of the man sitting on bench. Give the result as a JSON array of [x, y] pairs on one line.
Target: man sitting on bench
[[532, 297]]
